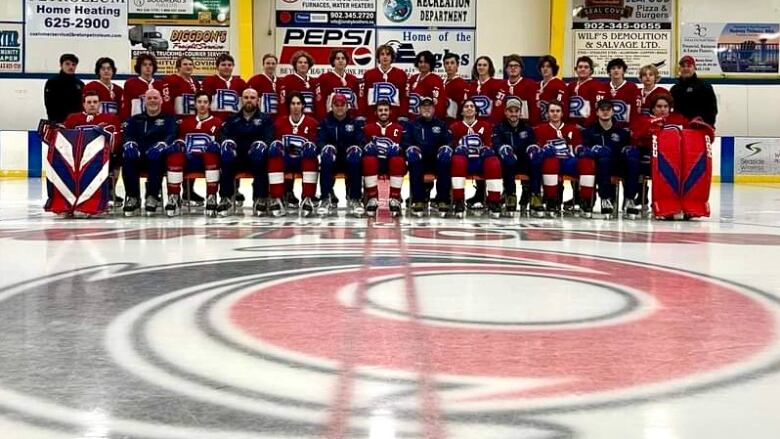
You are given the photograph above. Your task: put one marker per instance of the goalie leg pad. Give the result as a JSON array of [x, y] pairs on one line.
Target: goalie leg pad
[[667, 150], [696, 173]]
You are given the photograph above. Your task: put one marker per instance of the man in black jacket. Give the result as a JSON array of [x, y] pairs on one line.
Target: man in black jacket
[[62, 93], [692, 96]]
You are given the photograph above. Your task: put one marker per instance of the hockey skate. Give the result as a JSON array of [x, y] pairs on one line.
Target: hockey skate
[[586, 209], [476, 204], [459, 209], [151, 205], [260, 207], [494, 209], [525, 200], [132, 206], [211, 205], [276, 207], [537, 206], [510, 205], [632, 211], [443, 209], [239, 200], [607, 209], [552, 208], [307, 208], [355, 208], [326, 207], [291, 200], [395, 207], [371, 207], [418, 209], [225, 207], [173, 208]]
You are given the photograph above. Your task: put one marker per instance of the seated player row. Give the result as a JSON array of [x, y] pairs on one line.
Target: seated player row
[[252, 141]]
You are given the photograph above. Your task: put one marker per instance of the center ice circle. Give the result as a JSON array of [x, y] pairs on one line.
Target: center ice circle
[[501, 299]]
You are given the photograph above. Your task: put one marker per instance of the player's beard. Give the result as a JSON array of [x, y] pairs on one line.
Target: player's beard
[[249, 108]]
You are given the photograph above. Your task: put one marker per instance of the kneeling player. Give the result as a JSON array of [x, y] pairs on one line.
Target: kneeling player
[[555, 155], [195, 149], [605, 143], [471, 138], [293, 151], [340, 139], [511, 139], [148, 136], [382, 155], [426, 143]]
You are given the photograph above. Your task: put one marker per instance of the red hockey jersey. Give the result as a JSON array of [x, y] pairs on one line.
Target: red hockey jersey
[[564, 139], [133, 96], [481, 128], [643, 103], [392, 131], [485, 94], [624, 98], [523, 89], [285, 127], [210, 126], [182, 94], [225, 94], [552, 90], [456, 89], [583, 97], [110, 97], [388, 86], [646, 126], [430, 86], [107, 120], [267, 91], [296, 83], [330, 83]]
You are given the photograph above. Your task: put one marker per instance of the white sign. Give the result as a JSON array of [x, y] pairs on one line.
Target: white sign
[[75, 19], [326, 5], [11, 47], [359, 43], [745, 48], [756, 156], [407, 43], [161, 6], [427, 13], [636, 48], [203, 44]]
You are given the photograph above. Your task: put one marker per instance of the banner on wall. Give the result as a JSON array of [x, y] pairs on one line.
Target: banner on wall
[[639, 31], [75, 19], [319, 42], [745, 48], [427, 13], [180, 12], [408, 42], [325, 13], [166, 43], [11, 47], [756, 156]]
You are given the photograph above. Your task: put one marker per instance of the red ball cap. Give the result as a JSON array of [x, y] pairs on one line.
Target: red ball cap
[[339, 99], [687, 59]]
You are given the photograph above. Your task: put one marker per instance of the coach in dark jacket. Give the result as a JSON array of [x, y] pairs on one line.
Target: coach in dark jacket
[[62, 93], [692, 96]]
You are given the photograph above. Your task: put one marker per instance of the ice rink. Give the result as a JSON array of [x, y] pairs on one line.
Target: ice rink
[[516, 328]]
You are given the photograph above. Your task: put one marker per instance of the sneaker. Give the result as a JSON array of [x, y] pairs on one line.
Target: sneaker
[[225, 207], [240, 200], [132, 206], [276, 207], [395, 206], [307, 207], [260, 207], [477, 202], [510, 204], [173, 208], [211, 205], [459, 209], [443, 208], [606, 207], [151, 205], [495, 209], [418, 208], [537, 206], [371, 206], [355, 208], [291, 201]]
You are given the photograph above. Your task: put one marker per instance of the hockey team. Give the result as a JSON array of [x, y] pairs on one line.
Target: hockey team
[[439, 131]]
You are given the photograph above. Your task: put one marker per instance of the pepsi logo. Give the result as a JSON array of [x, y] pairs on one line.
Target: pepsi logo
[[362, 56]]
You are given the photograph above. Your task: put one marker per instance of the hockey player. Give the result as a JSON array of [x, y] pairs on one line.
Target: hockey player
[[340, 140], [559, 142], [511, 139], [266, 84], [109, 93], [519, 87], [649, 77], [293, 150], [92, 116], [382, 155], [224, 88], [426, 84], [623, 94], [299, 82], [551, 88], [471, 139], [484, 88], [607, 144], [246, 136], [338, 82], [426, 143], [584, 93], [183, 87], [384, 82], [455, 87], [148, 137], [196, 148], [135, 88]]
